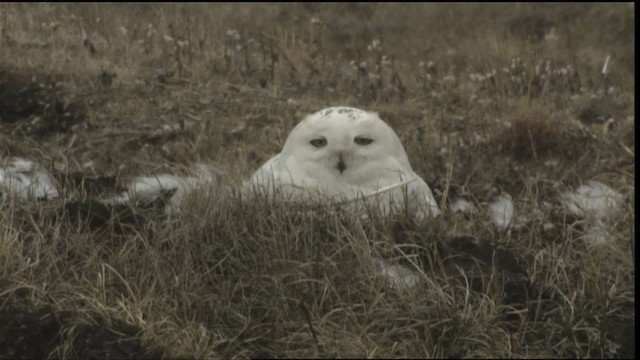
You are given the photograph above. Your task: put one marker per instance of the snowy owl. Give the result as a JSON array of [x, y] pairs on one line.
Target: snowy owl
[[346, 154]]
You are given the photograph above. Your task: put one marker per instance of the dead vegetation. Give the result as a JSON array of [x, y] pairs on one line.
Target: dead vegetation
[[487, 100]]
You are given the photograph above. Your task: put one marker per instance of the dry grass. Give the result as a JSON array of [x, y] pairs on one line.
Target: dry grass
[[486, 98]]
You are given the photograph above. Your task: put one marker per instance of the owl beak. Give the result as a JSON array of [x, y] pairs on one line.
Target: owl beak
[[341, 165]]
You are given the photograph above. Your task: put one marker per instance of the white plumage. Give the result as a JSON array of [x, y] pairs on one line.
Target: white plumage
[[26, 179], [344, 154]]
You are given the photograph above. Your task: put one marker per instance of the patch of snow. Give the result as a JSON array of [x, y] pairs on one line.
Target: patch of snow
[[595, 234], [27, 180], [501, 212], [398, 276], [462, 205], [149, 188], [595, 202], [593, 199]]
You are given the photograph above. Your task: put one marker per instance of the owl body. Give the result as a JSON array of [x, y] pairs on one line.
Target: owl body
[[346, 154]]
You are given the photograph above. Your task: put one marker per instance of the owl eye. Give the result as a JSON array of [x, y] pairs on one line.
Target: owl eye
[[318, 143], [363, 140]]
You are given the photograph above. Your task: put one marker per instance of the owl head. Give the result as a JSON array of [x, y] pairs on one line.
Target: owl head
[[346, 145]]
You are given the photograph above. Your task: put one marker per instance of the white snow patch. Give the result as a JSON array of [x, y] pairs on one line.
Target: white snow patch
[[149, 188], [462, 205], [595, 202], [592, 200], [398, 276], [27, 180], [595, 233], [501, 212]]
